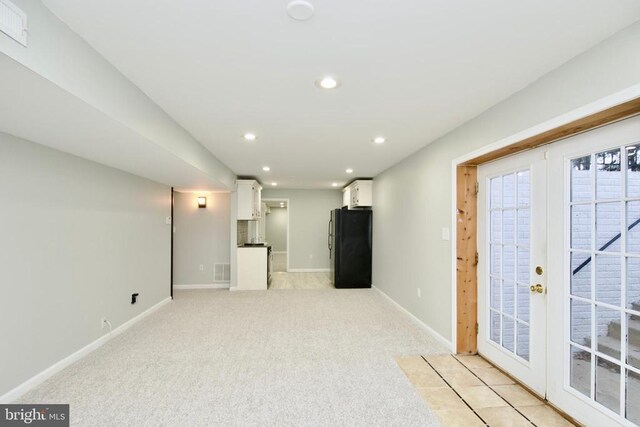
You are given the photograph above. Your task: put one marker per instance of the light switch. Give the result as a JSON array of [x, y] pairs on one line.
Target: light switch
[[445, 234], [167, 220]]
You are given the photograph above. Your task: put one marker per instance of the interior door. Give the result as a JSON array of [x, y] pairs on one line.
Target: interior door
[[512, 209], [594, 221]]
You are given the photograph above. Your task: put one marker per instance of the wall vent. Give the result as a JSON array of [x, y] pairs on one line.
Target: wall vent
[[13, 22], [221, 272]]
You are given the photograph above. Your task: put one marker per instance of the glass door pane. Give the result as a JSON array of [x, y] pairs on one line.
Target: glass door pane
[[509, 261], [604, 295]]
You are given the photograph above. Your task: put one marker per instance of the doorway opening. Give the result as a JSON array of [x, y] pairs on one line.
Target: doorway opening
[[275, 230]]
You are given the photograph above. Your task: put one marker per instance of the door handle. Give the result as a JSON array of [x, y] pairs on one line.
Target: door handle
[[537, 288]]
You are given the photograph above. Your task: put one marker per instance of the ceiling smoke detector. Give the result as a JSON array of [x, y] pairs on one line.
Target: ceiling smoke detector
[[300, 10]]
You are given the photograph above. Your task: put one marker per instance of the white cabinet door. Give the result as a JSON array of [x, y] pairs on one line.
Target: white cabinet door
[[346, 197], [361, 194], [249, 199]]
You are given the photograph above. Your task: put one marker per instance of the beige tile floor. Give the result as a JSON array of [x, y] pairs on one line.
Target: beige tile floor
[[280, 280], [468, 391]]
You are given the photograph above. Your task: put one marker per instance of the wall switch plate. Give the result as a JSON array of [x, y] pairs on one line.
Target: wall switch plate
[[201, 267], [167, 220], [445, 234], [419, 294]]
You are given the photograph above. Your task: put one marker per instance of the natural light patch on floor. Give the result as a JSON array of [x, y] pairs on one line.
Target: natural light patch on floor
[[468, 391]]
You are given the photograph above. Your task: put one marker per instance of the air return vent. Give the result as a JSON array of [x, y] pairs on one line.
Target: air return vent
[[221, 273], [13, 22]]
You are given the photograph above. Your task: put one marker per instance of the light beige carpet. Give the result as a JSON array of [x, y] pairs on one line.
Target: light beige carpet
[[252, 358]]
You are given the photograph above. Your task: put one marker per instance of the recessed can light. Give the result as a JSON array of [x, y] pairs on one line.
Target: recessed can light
[[349, 170], [379, 140], [266, 168], [275, 184], [327, 82], [335, 184], [250, 136]]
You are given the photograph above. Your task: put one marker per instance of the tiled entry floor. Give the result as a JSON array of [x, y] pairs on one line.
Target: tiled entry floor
[[468, 391]]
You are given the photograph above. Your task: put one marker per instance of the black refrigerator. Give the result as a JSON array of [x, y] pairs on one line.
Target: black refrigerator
[[350, 236]]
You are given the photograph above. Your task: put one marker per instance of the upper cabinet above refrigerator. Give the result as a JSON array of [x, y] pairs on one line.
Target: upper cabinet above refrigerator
[[358, 194]]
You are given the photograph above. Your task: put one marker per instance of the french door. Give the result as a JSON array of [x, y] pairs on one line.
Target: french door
[[559, 272], [594, 218], [512, 207]]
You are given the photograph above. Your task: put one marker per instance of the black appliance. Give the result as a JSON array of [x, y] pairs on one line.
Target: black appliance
[[350, 237]]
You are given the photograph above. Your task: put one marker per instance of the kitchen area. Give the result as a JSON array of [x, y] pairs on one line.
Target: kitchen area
[[254, 257], [326, 242]]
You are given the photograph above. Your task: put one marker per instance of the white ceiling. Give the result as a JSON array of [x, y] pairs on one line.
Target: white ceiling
[[410, 70]]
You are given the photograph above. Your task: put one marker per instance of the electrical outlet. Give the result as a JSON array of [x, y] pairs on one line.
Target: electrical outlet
[[419, 296], [201, 267], [446, 235]]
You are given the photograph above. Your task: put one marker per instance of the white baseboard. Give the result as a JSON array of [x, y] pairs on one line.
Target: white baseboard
[[308, 270], [221, 285], [420, 323], [38, 379]]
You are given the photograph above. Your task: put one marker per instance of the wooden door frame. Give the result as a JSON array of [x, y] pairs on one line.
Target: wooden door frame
[[464, 222]]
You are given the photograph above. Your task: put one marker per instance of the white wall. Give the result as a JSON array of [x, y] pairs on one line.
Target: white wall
[[308, 221], [413, 198], [61, 56], [276, 229], [78, 239], [202, 236]]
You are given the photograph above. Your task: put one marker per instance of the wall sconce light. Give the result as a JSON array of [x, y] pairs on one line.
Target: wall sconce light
[[202, 202]]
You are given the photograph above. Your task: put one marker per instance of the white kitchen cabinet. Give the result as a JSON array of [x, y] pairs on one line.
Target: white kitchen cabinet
[[359, 194], [249, 199], [346, 196], [252, 268]]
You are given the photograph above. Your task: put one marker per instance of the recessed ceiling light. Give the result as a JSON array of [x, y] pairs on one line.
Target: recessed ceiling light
[[379, 140], [282, 205], [300, 10], [349, 170], [250, 136], [266, 168], [327, 82], [274, 184], [335, 184]]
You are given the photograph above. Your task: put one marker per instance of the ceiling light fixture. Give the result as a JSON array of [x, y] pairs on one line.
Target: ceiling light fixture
[[266, 168], [274, 184], [379, 140], [349, 170], [250, 136], [327, 82], [335, 184], [300, 10]]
